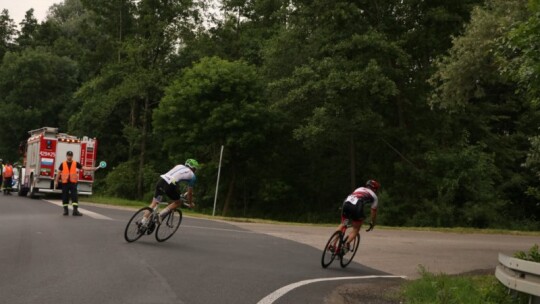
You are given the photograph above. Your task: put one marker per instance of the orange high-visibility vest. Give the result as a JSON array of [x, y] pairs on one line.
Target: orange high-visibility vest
[[69, 173], [8, 171]]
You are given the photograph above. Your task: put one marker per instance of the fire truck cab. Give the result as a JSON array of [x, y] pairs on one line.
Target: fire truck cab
[[44, 152]]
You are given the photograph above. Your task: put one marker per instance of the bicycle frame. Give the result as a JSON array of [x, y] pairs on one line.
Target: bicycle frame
[[335, 246], [346, 225], [155, 210]]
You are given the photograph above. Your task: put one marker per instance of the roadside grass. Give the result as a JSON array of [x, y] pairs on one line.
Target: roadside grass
[[456, 289], [114, 201]]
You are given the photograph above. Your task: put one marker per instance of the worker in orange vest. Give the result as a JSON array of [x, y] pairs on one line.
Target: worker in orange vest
[[69, 173], [7, 173]]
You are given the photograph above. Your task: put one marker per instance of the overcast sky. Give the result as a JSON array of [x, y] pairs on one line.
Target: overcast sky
[[17, 8]]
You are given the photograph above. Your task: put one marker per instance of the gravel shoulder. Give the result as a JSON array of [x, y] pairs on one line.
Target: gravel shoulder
[[400, 252]]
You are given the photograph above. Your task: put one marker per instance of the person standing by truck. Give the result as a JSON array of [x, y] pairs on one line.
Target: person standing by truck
[[7, 175], [68, 172]]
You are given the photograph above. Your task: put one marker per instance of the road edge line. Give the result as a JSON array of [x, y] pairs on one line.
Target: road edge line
[[272, 297]]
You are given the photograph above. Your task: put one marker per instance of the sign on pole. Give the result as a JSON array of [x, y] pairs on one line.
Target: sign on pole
[[217, 183]]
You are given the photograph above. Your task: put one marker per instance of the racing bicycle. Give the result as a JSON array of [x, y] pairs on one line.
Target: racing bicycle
[[136, 227], [336, 247]]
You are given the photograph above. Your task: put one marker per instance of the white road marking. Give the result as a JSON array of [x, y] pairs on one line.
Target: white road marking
[[91, 214], [271, 298]]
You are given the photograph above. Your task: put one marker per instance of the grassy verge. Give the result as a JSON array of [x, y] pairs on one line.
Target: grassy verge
[[445, 289], [138, 204], [114, 201]]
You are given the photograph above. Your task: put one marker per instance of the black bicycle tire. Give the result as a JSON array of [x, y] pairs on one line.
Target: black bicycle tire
[[333, 256], [344, 264], [128, 226], [165, 222]]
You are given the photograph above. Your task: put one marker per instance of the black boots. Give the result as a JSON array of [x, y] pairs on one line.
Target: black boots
[[76, 211]]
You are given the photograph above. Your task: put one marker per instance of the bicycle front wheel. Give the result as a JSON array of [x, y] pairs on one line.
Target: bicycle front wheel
[[135, 229], [330, 251], [348, 255], [169, 225]]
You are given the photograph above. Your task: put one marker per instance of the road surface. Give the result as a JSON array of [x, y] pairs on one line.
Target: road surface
[[49, 258]]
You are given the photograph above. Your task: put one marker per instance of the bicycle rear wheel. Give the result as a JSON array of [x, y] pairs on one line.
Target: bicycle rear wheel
[[169, 225], [330, 251], [348, 255], [134, 228]]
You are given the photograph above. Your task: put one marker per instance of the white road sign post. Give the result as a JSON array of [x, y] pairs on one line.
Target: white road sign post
[[217, 183]]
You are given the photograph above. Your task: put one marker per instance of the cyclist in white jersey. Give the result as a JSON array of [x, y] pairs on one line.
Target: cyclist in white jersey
[[353, 208], [168, 184]]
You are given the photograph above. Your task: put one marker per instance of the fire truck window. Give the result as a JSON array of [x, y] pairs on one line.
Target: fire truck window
[[49, 145]]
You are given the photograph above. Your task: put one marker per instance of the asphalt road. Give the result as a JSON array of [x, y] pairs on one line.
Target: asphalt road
[[401, 252], [49, 258]]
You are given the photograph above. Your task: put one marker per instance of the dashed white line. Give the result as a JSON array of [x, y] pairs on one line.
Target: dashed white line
[[271, 298]]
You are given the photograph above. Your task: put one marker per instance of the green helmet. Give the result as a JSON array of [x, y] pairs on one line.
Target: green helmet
[[192, 163]]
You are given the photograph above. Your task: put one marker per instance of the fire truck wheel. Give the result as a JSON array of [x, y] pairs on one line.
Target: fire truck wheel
[[23, 191], [33, 191]]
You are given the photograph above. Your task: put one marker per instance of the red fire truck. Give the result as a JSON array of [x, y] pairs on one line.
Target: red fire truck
[[44, 152]]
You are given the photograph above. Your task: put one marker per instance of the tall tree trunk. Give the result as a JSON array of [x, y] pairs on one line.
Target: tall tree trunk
[[352, 152], [230, 192], [140, 178]]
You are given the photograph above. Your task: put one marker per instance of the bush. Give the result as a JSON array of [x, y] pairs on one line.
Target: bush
[[533, 255], [445, 289], [122, 181]]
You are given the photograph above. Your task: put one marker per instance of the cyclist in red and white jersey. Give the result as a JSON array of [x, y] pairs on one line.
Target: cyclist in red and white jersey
[[353, 208]]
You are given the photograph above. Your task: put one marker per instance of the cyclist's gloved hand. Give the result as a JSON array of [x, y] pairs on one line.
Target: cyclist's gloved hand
[[371, 226]]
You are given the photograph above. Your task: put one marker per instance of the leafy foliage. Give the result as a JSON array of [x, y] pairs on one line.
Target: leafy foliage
[[443, 288], [438, 100], [532, 255]]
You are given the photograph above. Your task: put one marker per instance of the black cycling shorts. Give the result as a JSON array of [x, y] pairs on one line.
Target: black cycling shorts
[[171, 190], [353, 212]]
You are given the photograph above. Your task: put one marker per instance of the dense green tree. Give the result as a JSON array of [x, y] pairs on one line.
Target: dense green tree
[[131, 85], [35, 91], [521, 55], [214, 103], [29, 28], [309, 97], [8, 30], [486, 104]]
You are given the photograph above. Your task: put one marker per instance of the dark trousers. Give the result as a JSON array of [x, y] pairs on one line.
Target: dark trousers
[[67, 190], [8, 181]]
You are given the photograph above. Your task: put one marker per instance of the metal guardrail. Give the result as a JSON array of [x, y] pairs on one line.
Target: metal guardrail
[[520, 275]]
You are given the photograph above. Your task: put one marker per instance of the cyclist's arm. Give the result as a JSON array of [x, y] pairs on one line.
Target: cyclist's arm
[[373, 216]]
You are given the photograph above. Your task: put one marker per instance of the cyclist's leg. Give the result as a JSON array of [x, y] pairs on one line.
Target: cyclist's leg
[[357, 217], [345, 214], [158, 196], [355, 229], [173, 193]]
